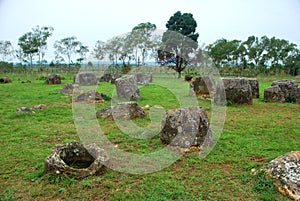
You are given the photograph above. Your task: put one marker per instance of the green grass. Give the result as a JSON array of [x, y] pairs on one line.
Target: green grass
[[252, 136]]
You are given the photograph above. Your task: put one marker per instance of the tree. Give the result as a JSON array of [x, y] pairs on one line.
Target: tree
[[292, 62], [29, 45], [99, 50], [66, 47], [113, 48], [126, 53], [263, 52], [184, 24], [178, 41], [234, 52], [140, 38], [218, 52], [156, 44], [20, 55], [278, 52], [240, 55], [41, 35], [202, 58], [6, 50], [35, 42], [82, 51], [251, 52]]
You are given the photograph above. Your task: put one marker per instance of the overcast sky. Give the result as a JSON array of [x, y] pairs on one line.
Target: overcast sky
[[92, 20]]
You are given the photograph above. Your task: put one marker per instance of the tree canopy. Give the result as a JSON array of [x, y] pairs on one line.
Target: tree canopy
[[184, 24], [179, 41], [136, 45], [140, 39], [264, 52], [6, 49], [69, 46], [35, 42]]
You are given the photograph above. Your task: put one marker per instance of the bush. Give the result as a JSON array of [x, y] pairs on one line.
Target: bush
[[126, 69], [6, 67], [188, 77]]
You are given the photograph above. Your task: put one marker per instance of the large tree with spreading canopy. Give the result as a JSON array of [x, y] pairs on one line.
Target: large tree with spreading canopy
[[178, 41]]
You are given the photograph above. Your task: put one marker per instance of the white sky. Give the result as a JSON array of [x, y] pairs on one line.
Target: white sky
[[93, 20]]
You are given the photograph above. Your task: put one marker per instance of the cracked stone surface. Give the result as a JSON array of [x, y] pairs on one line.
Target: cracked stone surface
[[285, 171], [143, 79], [53, 79], [202, 85], [282, 91], [90, 96], [185, 127], [127, 88], [71, 89], [254, 87], [238, 91], [126, 110], [85, 79], [75, 159]]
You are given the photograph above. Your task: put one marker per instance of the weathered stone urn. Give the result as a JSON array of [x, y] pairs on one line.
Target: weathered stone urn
[[75, 159], [185, 127]]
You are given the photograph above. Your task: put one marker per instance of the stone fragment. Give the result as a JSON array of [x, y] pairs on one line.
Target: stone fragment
[[75, 159], [24, 110], [185, 127], [39, 107], [285, 172], [53, 79], [85, 79], [108, 77], [4, 80], [127, 88], [71, 89], [126, 110], [90, 96], [143, 79]]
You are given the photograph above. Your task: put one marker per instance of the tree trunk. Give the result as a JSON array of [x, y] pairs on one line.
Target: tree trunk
[[30, 61], [136, 58], [143, 57], [179, 74], [69, 66], [39, 66]]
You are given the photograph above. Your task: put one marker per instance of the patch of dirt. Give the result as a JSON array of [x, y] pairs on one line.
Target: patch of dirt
[[225, 167], [259, 159]]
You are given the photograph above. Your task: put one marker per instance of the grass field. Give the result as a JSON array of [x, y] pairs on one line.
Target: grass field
[[252, 136]]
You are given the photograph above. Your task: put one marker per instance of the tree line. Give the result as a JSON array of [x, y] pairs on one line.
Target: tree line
[[264, 53], [136, 46], [177, 48]]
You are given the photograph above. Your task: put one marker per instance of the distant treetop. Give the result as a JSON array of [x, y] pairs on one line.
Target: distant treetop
[[184, 24]]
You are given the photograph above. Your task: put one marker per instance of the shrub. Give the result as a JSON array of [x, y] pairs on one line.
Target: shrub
[[6, 67]]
